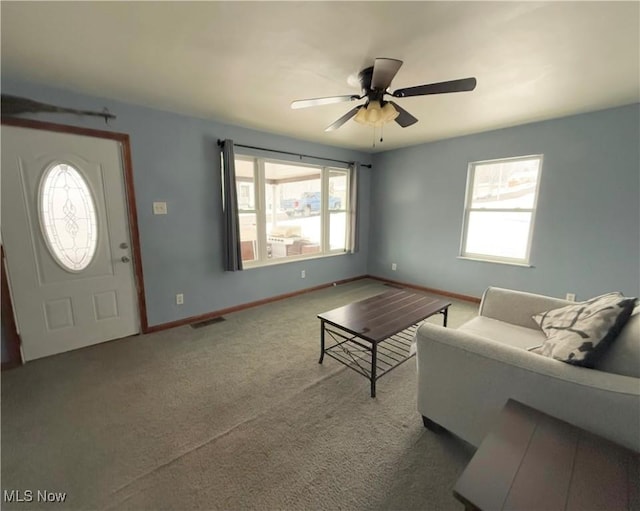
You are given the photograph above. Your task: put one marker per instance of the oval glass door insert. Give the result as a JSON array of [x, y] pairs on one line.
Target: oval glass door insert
[[68, 217]]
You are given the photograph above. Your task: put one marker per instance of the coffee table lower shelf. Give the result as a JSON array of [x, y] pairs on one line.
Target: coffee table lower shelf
[[371, 360]]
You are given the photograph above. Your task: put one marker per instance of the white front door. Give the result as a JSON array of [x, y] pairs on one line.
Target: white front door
[[66, 236]]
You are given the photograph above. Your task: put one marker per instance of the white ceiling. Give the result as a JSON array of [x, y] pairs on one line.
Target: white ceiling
[[244, 62]]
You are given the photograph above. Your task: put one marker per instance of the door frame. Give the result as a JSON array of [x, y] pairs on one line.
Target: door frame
[[132, 216], [9, 322]]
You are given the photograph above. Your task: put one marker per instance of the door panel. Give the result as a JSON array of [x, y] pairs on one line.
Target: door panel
[[59, 308]]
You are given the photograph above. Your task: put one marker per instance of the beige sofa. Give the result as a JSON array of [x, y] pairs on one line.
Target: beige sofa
[[466, 375]]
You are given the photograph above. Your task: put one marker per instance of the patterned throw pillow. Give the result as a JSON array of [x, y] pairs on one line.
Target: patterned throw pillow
[[579, 333]]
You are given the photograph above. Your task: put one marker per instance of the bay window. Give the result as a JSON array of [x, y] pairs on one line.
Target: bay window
[[290, 211]]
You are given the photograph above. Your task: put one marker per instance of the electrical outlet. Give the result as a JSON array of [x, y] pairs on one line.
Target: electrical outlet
[[394, 266], [571, 297], [303, 274], [179, 299]]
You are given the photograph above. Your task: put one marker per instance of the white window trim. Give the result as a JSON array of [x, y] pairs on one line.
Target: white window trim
[[471, 169], [261, 212]]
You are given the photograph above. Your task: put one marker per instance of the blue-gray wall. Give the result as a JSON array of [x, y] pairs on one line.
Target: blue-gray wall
[[586, 238], [176, 159]]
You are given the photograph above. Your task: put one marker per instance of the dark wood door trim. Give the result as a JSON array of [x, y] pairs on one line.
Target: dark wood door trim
[[9, 328], [130, 196]]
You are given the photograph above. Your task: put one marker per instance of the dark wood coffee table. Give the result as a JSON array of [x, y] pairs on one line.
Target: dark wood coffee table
[[532, 461], [373, 336]]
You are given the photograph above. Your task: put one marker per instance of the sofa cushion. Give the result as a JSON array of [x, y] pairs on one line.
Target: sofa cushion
[[623, 356], [579, 333], [505, 333]]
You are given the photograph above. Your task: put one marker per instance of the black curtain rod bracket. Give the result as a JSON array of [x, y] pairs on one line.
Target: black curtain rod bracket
[[220, 142]]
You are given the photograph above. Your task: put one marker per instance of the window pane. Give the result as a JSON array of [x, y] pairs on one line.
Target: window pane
[[508, 184], [295, 190], [245, 185], [337, 190], [293, 199], [337, 231], [248, 236], [500, 234], [68, 217]]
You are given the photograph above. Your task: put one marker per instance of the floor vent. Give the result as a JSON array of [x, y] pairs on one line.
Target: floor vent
[[207, 322]]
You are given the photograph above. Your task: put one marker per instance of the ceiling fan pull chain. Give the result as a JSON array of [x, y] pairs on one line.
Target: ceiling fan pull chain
[[381, 130]]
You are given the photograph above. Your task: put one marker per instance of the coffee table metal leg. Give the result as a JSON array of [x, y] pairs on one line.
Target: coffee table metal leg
[[321, 342], [445, 312], [374, 363]]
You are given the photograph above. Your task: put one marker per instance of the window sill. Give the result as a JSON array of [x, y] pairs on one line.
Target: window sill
[[285, 260], [508, 263]]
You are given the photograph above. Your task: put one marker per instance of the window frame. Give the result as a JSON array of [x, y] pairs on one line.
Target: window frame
[[261, 213], [471, 174]]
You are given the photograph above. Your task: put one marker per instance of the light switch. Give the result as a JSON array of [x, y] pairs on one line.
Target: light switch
[[159, 208]]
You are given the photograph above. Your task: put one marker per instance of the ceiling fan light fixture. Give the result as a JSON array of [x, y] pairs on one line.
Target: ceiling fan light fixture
[[389, 113], [373, 114], [361, 116]]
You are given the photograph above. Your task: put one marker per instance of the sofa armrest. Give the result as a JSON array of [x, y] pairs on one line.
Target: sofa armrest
[[516, 307]]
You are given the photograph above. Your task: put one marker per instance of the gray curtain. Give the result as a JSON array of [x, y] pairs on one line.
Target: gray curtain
[[231, 227], [354, 244]]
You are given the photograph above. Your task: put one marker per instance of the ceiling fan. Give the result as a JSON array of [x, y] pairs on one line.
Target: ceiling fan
[[376, 111]]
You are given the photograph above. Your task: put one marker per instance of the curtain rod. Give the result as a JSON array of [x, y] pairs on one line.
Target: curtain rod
[[294, 154]]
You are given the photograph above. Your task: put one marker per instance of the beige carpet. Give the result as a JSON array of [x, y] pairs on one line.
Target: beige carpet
[[235, 415]]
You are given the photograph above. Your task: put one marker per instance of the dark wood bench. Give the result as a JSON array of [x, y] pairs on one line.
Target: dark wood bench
[[532, 461]]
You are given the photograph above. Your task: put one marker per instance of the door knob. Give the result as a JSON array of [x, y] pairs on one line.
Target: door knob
[[125, 259], [124, 245]]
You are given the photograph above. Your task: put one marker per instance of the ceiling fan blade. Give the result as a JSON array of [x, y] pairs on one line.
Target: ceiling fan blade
[[305, 103], [405, 118], [465, 84], [383, 72], [351, 113]]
